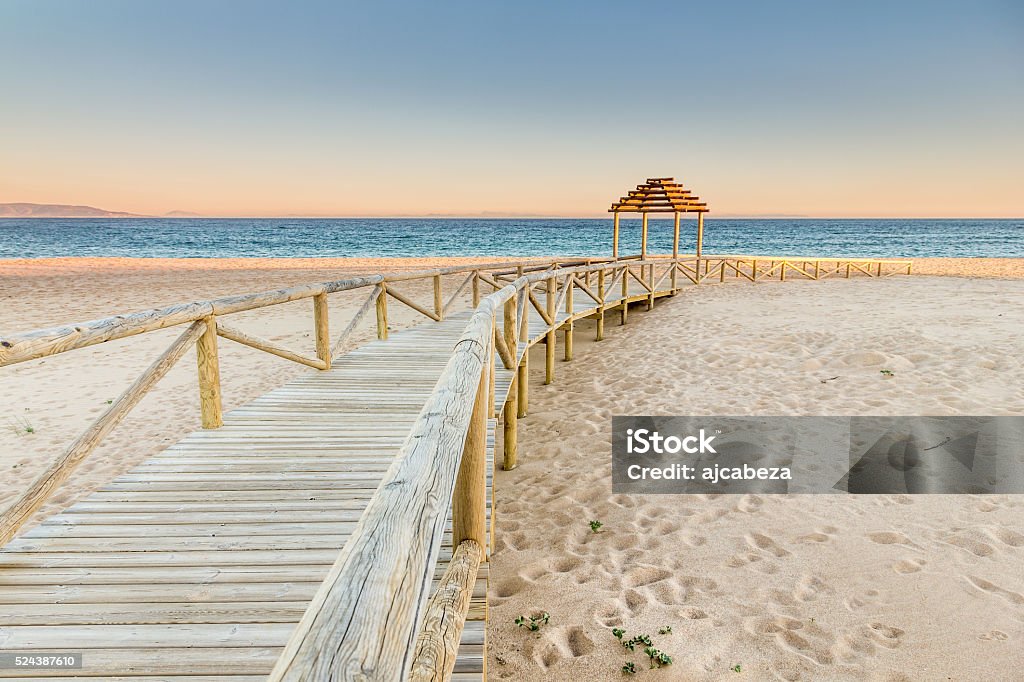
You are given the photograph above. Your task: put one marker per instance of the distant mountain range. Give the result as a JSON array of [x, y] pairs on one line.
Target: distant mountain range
[[59, 211]]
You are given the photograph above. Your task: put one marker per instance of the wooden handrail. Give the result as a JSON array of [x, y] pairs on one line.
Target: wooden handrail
[[40, 490], [41, 343], [438, 644], [267, 346]]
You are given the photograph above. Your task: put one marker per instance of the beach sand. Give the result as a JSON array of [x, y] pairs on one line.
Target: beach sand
[[888, 588], [786, 587]]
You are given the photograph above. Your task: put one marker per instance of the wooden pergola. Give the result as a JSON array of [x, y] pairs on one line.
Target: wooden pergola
[[659, 195]]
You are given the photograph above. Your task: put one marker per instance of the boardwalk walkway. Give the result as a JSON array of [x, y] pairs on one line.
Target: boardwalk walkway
[[201, 560], [198, 563]]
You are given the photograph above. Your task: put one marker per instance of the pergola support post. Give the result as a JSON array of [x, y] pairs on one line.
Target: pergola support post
[[615, 236], [675, 250]]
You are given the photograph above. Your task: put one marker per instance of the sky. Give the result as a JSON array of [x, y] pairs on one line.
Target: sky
[[542, 108]]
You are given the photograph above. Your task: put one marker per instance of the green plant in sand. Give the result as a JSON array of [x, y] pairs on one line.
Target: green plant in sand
[[658, 657], [20, 426], [533, 623], [595, 526]]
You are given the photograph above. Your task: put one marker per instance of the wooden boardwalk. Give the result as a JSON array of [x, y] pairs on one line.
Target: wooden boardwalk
[[199, 563]]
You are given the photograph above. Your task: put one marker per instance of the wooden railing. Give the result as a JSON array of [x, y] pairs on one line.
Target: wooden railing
[[205, 320], [371, 618]]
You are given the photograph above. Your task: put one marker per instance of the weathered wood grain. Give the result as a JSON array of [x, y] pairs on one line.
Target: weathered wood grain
[[438, 643]]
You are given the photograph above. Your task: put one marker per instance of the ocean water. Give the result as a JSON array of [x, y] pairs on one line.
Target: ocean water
[[392, 237]]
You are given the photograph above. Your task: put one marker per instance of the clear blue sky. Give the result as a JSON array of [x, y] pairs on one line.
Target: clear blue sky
[[245, 108]]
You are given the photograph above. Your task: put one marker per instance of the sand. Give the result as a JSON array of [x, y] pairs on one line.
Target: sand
[[887, 588], [787, 587]]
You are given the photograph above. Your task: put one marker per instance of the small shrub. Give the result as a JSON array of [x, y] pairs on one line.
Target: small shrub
[[533, 623], [595, 526]]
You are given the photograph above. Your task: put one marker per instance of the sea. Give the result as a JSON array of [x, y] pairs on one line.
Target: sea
[[402, 237]]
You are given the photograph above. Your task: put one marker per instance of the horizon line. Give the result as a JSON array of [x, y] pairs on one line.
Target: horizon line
[[511, 216]]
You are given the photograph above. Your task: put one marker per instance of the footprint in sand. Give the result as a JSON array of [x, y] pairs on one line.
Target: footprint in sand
[[1006, 536], [634, 602], [865, 640], [510, 587], [890, 538], [559, 644], [693, 613], [909, 565], [766, 544], [808, 587], [990, 587], [994, 635], [972, 545], [645, 574], [566, 564]]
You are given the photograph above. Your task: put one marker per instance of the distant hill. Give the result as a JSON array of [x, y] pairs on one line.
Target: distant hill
[[59, 211], [182, 214]]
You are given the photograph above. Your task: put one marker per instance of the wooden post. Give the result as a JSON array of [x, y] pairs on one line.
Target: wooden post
[[323, 329], [675, 250], [524, 365], [510, 411], [570, 323], [650, 283], [625, 293], [643, 237], [848, 271], [469, 499], [753, 269], [700, 233], [782, 272], [700, 244], [491, 363], [615, 236], [438, 301], [879, 269], [209, 376], [523, 380], [600, 307], [382, 312], [523, 370], [476, 288], [721, 275], [817, 268], [549, 344]]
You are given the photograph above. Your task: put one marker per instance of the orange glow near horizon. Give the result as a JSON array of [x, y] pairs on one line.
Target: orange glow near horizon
[[520, 109]]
